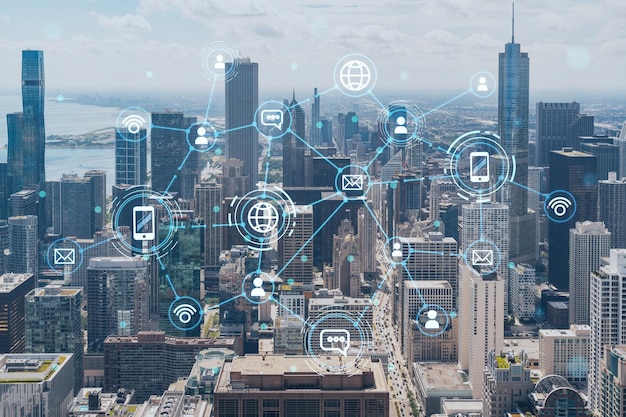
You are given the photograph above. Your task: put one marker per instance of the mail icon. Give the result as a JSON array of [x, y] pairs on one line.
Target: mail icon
[[352, 182], [64, 256], [482, 257]]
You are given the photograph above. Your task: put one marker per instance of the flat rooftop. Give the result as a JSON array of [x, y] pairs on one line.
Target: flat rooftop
[[10, 281], [24, 368], [442, 376]]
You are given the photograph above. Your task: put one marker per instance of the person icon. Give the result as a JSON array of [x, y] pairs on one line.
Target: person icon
[[201, 139], [431, 323], [400, 128], [219, 64], [482, 84], [258, 290], [397, 251]]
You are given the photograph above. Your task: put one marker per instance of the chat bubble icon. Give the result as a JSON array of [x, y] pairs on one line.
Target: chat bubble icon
[[271, 118], [335, 341]]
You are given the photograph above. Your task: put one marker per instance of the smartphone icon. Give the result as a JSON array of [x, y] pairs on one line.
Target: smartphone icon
[[479, 167], [143, 221]]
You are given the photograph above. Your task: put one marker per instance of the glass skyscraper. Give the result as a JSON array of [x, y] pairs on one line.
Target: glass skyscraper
[[242, 100]]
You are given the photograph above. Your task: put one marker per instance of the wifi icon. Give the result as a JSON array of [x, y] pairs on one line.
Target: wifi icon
[[559, 205], [133, 123], [185, 312]]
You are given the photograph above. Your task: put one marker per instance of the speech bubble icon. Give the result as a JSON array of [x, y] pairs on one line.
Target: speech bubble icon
[[272, 118], [335, 341]]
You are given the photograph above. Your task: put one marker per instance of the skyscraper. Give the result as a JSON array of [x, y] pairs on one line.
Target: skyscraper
[[33, 133], [588, 243], [612, 208], [315, 128], [242, 100], [293, 146], [82, 204], [23, 246], [295, 249], [208, 202], [612, 401], [131, 158], [606, 309], [54, 324], [13, 288], [574, 172]]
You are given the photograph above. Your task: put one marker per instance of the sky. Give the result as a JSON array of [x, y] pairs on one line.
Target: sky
[[416, 45]]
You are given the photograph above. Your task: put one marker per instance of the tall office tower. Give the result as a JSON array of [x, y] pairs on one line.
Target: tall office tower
[[36, 384], [15, 151], [54, 324], [488, 222], [131, 157], [506, 383], [429, 257], [574, 172], [24, 203], [351, 128], [207, 207], [169, 149], [346, 261], [34, 132], [316, 125], [612, 208], [23, 246], [437, 188], [537, 183], [13, 288], [5, 189], [268, 388], [481, 322], [367, 241], [419, 345], [234, 183], [242, 101], [588, 243], [295, 249], [293, 145], [118, 298], [4, 245], [150, 361], [612, 401], [558, 126], [607, 307], [513, 74], [565, 352], [83, 204], [608, 157], [326, 132], [522, 291]]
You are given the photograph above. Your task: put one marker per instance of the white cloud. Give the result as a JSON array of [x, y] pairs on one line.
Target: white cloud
[[126, 23]]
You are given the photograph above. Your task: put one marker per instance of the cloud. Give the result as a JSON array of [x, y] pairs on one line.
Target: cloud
[[126, 23], [5, 18], [204, 10]]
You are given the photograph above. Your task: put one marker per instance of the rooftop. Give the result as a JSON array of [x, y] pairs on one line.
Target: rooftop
[[445, 376], [10, 281], [23, 368]]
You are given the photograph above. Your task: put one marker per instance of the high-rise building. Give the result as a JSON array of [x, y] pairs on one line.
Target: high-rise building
[[174, 168], [488, 222], [15, 151], [54, 324], [522, 291], [612, 208], [266, 385], [588, 243], [118, 298], [565, 352], [13, 288], [608, 157], [558, 126], [315, 127], [613, 381], [24, 203], [36, 384], [620, 141], [481, 322], [207, 207], [367, 240], [234, 183], [82, 204], [150, 361], [293, 145], [506, 383], [242, 101], [607, 307], [131, 157], [574, 172], [23, 255], [295, 249]]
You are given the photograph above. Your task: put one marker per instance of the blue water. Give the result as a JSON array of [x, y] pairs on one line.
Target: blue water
[[70, 119]]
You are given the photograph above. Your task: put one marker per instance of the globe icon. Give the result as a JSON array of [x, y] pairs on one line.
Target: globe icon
[[355, 75], [263, 217]]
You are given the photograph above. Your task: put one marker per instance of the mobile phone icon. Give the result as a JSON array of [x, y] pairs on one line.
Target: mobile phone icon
[[479, 167], [143, 223]]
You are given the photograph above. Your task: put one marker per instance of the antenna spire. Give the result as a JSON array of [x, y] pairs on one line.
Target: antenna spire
[[513, 24]]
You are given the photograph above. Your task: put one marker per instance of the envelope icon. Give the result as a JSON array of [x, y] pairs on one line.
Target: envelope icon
[[482, 257], [352, 182], [64, 256]]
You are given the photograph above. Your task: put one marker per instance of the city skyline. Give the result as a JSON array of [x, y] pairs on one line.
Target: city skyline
[[416, 46]]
